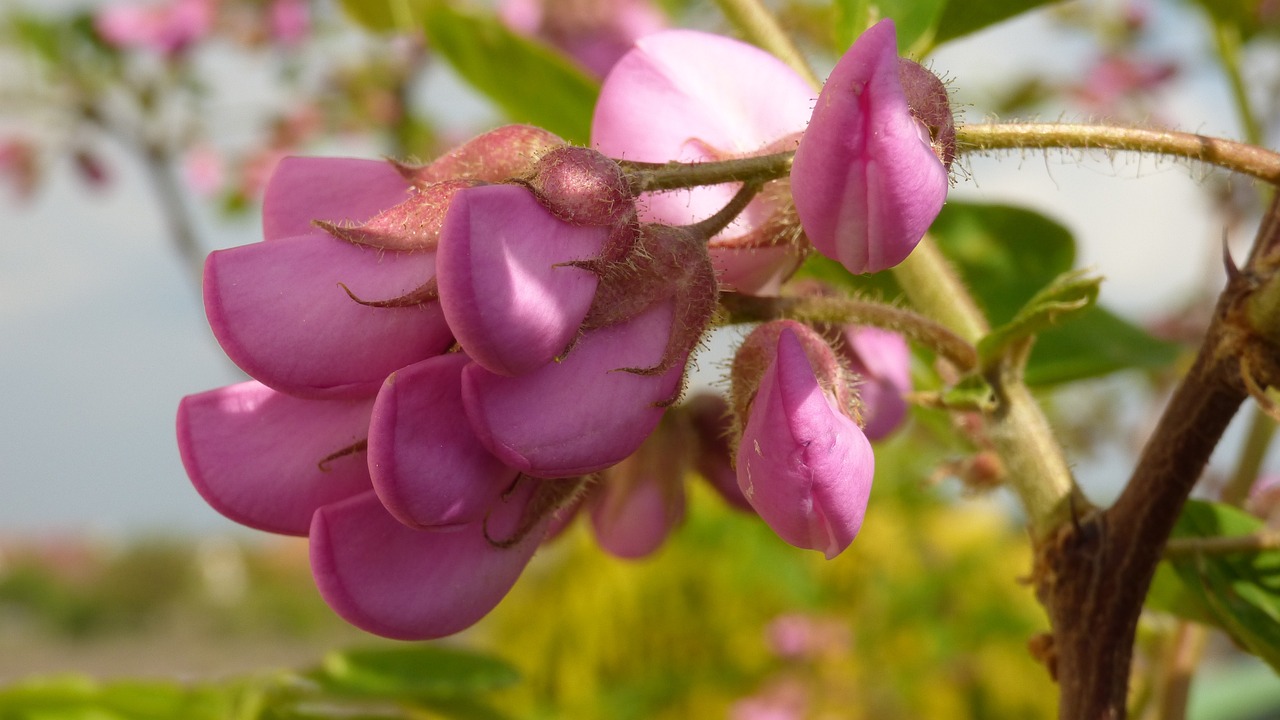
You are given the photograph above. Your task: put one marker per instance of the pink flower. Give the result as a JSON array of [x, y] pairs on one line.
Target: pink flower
[[290, 21], [803, 463], [595, 33], [719, 99], [866, 179], [168, 28], [425, 478]]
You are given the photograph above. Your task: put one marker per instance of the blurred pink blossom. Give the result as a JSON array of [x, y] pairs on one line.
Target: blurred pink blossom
[[168, 28], [596, 33]]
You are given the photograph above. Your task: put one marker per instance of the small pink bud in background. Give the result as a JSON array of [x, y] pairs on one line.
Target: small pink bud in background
[[803, 463], [204, 169], [594, 32], [290, 21], [1264, 500], [20, 166], [641, 500], [882, 361], [712, 423], [866, 180]]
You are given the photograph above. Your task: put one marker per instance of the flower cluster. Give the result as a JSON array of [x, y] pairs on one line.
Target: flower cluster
[[450, 359]]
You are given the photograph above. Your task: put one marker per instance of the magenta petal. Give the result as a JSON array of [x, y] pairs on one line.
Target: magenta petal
[[256, 455], [715, 93], [720, 98], [428, 467], [804, 465], [866, 182], [338, 190], [510, 301], [279, 313], [580, 415], [395, 581]]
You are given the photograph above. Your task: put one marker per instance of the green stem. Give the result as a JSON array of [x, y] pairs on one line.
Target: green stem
[[1243, 158], [1037, 468], [1261, 541], [655, 177], [759, 26], [846, 311], [1240, 157], [1227, 38], [931, 284]]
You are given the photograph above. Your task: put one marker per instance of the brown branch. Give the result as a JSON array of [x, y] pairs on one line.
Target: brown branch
[[1093, 575]]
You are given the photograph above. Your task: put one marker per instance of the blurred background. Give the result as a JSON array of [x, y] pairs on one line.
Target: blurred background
[[133, 144]]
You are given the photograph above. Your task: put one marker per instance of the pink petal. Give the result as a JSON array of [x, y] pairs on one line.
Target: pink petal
[[256, 455], [392, 580], [510, 301], [428, 468], [338, 190], [580, 415], [721, 98], [804, 465], [715, 93], [279, 313], [866, 182]]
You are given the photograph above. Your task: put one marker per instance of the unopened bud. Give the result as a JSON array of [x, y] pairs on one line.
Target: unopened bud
[[582, 186], [508, 152], [931, 106]]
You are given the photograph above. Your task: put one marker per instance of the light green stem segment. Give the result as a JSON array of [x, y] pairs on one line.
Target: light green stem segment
[[758, 24], [1034, 463], [1240, 157]]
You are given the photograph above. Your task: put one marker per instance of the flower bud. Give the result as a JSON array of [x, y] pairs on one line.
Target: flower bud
[[866, 180], [931, 106], [498, 155], [583, 187], [803, 462]]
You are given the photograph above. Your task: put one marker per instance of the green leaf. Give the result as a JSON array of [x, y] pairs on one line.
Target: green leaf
[[422, 672], [1069, 294], [913, 19], [961, 17], [386, 15], [530, 81], [74, 697], [1240, 592]]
